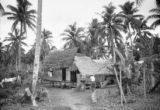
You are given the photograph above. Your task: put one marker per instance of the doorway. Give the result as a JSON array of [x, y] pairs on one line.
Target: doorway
[[63, 74], [73, 76]]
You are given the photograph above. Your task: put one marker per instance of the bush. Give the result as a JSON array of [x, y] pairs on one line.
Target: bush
[[5, 95], [42, 93]]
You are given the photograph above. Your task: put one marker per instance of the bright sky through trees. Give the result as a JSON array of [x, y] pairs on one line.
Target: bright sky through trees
[[58, 14]]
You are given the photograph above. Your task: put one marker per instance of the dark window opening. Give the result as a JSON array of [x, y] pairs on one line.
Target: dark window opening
[[63, 74]]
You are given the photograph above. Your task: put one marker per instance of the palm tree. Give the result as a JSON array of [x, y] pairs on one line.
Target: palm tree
[[113, 27], [14, 42], [143, 34], [156, 16], [21, 15], [46, 43], [73, 36], [37, 53], [96, 39], [131, 18]]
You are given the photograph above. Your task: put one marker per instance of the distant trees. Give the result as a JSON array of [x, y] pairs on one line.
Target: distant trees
[[46, 43], [124, 31], [131, 18], [125, 36], [23, 17], [72, 36], [15, 40]]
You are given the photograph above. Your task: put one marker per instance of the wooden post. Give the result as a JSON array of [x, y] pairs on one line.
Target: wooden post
[[144, 81]]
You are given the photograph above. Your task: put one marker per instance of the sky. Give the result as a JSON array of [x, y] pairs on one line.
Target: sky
[[58, 14]]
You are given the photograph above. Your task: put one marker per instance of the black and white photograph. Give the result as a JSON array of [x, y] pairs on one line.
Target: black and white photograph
[[79, 54]]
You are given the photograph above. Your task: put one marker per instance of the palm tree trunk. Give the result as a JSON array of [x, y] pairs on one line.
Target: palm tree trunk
[[152, 77], [19, 51], [16, 63], [130, 36], [120, 78], [37, 53], [144, 81], [118, 81]]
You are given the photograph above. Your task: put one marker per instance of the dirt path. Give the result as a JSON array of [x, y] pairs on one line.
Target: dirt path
[[68, 99], [61, 99]]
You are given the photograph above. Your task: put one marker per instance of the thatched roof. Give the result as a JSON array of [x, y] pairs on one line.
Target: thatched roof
[[87, 66], [60, 58]]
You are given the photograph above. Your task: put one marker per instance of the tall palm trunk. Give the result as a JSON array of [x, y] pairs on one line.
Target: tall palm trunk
[[37, 52], [130, 35], [19, 50], [16, 64], [19, 56], [119, 81]]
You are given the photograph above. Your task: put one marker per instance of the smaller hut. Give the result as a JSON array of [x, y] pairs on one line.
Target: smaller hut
[[101, 69]]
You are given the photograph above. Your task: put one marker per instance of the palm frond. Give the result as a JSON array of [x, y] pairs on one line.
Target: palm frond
[[154, 16], [155, 10], [156, 23], [2, 9], [138, 16], [12, 8], [139, 2]]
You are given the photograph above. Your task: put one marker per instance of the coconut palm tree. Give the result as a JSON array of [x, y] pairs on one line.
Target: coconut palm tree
[[95, 39], [23, 17], [73, 36], [46, 43], [14, 40], [143, 38], [37, 53], [156, 16], [131, 18], [113, 27]]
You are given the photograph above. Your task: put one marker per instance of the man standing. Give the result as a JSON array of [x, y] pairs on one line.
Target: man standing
[[93, 85], [92, 78]]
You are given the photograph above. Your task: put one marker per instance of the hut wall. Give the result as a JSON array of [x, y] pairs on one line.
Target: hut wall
[[78, 79], [57, 76]]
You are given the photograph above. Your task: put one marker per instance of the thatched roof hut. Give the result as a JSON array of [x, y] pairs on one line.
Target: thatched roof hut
[[87, 66], [60, 59]]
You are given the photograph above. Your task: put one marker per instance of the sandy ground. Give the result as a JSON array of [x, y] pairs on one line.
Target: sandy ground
[[72, 99], [69, 99]]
